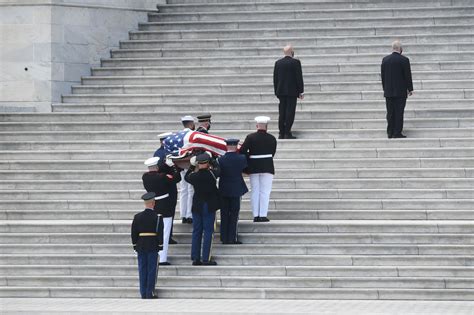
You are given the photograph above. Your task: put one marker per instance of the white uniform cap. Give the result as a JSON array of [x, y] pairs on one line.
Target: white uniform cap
[[187, 118], [164, 135], [262, 119], [152, 161]]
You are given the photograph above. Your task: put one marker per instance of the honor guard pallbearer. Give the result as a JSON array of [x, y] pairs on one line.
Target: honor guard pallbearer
[[204, 123], [260, 148], [231, 187], [161, 153], [186, 190], [162, 185], [147, 240], [206, 202]]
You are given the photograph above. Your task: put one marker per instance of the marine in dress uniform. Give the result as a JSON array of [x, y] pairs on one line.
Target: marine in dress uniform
[[260, 148], [231, 187], [206, 202], [161, 153], [204, 123], [186, 190], [397, 86], [147, 240], [288, 85], [162, 185]]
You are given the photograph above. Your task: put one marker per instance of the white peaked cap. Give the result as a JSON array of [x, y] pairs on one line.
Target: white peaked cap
[[187, 118], [152, 161], [262, 119], [164, 135]]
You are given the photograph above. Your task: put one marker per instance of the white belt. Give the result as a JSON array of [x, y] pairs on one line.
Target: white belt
[[261, 156], [162, 197]]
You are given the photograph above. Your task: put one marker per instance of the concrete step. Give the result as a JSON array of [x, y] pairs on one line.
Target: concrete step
[[239, 15], [279, 183], [363, 173], [275, 204], [151, 145], [267, 68], [266, 96], [246, 213], [264, 78], [321, 108], [307, 19], [333, 7], [254, 88], [246, 124], [251, 249], [247, 226], [250, 238], [157, 60], [281, 154], [421, 132], [65, 194], [146, 40], [244, 293], [275, 32], [281, 163], [290, 271], [244, 282], [263, 260], [147, 117]]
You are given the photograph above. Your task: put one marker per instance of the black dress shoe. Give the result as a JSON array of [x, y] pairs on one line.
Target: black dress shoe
[[153, 297], [264, 219], [184, 220], [389, 136], [256, 219], [209, 263], [172, 242], [165, 263], [237, 242], [290, 136], [281, 137], [400, 136], [189, 221], [197, 263]]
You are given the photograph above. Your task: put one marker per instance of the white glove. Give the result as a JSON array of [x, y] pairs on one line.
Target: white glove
[[169, 161], [193, 161]]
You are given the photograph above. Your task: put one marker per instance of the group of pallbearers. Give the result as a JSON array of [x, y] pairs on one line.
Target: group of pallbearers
[[210, 183]]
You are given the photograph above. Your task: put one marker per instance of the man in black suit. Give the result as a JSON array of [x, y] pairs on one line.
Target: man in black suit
[[397, 85], [147, 240], [288, 85]]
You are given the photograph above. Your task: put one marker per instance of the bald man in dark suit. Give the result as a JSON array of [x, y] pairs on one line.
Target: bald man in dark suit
[[288, 85], [397, 86]]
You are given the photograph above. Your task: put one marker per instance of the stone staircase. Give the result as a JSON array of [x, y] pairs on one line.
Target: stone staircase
[[354, 214]]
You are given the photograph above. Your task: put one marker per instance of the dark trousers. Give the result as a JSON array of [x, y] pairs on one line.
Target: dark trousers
[[395, 111], [286, 112], [203, 223], [147, 273], [174, 202], [230, 207]]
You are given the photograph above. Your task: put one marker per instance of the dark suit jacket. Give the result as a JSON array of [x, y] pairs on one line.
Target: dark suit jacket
[[288, 77], [259, 143], [161, 184], [205, 189], [147, 221], [231, 183], [396, 75]]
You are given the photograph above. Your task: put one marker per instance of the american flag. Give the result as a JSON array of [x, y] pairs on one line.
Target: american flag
[[187, 140]]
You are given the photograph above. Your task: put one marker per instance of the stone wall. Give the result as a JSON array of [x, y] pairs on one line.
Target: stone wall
[[47, 45]]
